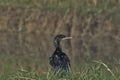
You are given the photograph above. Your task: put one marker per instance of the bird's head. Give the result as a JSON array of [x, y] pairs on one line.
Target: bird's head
[[59, 38]]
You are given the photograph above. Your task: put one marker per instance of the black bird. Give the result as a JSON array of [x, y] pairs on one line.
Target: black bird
[[59, 60]]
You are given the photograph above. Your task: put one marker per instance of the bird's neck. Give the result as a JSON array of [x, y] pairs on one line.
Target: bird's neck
[[58, 45], [58, 49]]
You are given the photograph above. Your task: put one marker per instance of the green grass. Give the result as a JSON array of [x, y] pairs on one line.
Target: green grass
[[96, 70], [23, 67], [84, 6]]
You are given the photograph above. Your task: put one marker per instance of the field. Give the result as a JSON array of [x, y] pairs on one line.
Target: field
[[27, 29], [95, 70]]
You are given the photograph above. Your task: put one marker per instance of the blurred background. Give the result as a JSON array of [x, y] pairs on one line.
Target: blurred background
[[28, 27]]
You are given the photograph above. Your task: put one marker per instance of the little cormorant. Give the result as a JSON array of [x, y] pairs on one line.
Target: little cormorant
[[59, 60]]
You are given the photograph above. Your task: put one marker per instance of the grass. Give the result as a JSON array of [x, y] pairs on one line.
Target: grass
[[23, 67], [96, 70], [97, 6]]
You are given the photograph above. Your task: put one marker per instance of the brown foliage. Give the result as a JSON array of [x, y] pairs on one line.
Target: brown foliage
[[31, 31]]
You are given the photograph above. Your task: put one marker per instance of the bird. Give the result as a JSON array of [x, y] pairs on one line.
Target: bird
[[59, 61]]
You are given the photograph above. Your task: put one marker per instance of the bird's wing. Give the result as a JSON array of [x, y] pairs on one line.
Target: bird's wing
[[66, 60], [55, 60]]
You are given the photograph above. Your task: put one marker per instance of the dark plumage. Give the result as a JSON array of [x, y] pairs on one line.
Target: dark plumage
[[59, 60]]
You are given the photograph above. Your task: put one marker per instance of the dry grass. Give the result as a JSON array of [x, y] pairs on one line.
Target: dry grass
[[31, 31]]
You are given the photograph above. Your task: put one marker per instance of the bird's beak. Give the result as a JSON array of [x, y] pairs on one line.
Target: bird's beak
[[67, 38]]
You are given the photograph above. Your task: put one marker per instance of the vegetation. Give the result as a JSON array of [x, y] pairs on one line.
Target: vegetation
[[86, 5], [96, 70], [27, 28]]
